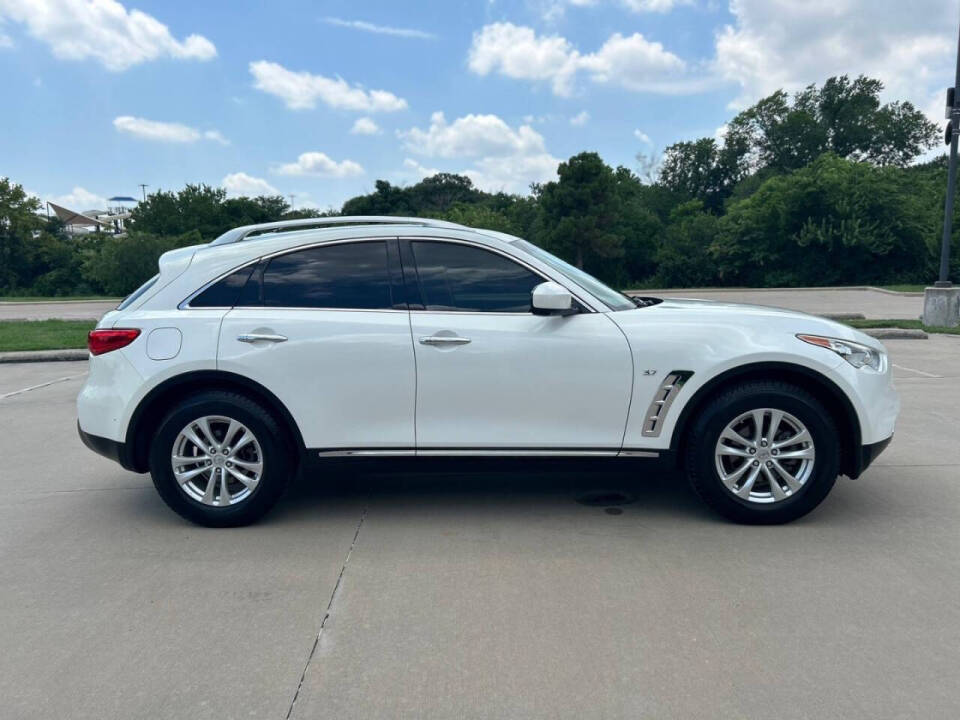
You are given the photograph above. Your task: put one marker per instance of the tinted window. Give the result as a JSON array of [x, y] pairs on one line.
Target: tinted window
[[460, 277], [351, 275], [225, 292]]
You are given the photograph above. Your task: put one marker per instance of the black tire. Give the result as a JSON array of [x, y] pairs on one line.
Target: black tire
[[700, 446], [276, 451]]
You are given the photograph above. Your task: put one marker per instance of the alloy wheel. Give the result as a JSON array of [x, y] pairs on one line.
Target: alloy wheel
[[217, 461], [765, 456]]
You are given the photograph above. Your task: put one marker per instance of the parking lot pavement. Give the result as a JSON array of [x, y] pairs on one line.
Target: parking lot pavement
[[870, 303], [80, 310], [466, 591]]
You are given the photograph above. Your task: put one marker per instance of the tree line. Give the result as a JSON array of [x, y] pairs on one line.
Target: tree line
[[822, 187]]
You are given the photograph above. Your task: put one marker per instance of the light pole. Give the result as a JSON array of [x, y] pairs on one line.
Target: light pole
[[953, 113], [941, 303]]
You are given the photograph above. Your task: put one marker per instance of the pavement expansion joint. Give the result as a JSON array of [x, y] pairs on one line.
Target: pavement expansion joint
[[333, 595]]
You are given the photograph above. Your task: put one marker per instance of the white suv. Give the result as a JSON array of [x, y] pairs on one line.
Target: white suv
[[279, 345]]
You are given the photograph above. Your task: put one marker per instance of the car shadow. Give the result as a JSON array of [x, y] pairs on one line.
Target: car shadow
[[609, 484]]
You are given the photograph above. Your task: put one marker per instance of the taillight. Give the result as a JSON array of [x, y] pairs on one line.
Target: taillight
[[104, 341]]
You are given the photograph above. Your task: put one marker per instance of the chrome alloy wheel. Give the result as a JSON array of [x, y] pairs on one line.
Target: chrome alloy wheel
[[765, 456], [217, 461]]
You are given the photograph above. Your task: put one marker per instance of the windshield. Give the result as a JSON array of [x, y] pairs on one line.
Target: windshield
[[610, 297]]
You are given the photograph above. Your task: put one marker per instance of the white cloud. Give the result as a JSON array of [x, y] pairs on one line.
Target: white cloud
[[642, 137], [318, 163], [580, 119], [165, 131], [504, 158], [554, 9], [365, 126], [103, 30], [419, 170], [513, 174], [79, 199], [660, 6], [780, 44], [5, 41], [302, 90], [471, 136], [632, 62], [216, 136], [517, 52], [380, 29], [239, 183]]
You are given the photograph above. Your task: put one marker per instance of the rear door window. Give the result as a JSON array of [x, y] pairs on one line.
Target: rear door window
[[349, 276]]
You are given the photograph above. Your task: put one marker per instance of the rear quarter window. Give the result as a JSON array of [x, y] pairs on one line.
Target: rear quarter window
[[224, 292]]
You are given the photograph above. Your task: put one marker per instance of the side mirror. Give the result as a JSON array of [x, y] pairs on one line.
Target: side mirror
[[549, 298]]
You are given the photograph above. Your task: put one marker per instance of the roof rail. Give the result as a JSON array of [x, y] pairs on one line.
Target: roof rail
[[244, 232]]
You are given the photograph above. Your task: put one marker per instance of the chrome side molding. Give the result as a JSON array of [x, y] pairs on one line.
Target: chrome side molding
[[484, 452]]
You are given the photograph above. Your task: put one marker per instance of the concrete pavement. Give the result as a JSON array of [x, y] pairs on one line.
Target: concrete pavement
[[872, 303], [479, 591], [68, 310], [818, 301]]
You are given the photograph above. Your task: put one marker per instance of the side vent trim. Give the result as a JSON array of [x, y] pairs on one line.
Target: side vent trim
[[662, 400]]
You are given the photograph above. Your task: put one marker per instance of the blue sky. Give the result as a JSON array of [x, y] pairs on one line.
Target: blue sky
[[321, 99]]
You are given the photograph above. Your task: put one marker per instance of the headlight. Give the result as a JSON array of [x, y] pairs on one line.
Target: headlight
[[854, 353]]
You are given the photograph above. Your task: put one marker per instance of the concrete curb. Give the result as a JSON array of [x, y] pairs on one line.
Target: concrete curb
[[27, 356], [895, 333]]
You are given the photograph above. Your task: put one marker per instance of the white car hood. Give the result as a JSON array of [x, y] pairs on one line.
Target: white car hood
[[709, 312]]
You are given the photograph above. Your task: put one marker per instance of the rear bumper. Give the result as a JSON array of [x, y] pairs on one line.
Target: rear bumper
[[112, 449], [869, 453]]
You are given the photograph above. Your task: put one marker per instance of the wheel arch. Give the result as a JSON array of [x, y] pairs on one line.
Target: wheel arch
[[817, 384], [156, 403]]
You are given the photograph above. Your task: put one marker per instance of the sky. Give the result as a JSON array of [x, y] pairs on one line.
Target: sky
[[318, 100]]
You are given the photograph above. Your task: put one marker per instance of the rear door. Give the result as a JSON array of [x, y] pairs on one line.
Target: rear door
[[326, 329], [491, 374]]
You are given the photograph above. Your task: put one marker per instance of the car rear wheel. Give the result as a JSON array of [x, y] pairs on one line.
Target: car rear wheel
[[219, 459], [763, 453]]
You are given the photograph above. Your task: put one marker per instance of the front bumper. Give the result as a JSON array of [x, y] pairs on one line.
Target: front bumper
[[869, 453], [111, 449]]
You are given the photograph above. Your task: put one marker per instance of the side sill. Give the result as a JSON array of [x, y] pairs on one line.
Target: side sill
[[481, 452]]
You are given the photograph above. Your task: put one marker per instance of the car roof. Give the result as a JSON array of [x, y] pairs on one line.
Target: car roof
[[271, 241]]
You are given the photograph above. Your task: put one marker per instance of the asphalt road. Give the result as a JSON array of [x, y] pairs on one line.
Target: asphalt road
[[478, 593], [872, 303]]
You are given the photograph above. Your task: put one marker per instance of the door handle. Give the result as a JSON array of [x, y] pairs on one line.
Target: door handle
[[443, 340], [254, 337]]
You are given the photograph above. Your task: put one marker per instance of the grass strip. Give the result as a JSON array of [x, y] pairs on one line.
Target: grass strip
[[44, 334], [902, 324]]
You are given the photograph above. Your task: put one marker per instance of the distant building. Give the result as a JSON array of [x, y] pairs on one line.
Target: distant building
[[112, 220]]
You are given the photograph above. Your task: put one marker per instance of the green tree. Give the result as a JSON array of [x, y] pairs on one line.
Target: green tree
[[18, 223], [204, 209], [683, 255], [119, 265], [578, 213], [844, 117], [834, 222]]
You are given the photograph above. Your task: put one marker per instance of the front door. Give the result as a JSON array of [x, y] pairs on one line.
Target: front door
[[492, 375]]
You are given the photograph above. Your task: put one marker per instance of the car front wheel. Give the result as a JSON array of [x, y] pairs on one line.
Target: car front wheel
[[763, 453], [219, 459]]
